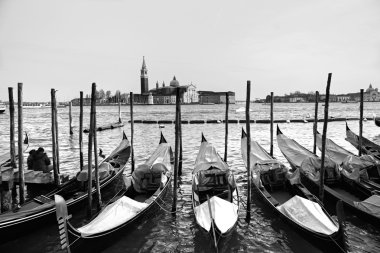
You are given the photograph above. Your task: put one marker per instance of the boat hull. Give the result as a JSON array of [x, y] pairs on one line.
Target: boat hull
[[100, 241], [18, 227], [324, 242]]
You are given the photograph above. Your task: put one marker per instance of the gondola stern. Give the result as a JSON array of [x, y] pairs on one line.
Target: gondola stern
[[162, 139], [125, 136], [203, 138], [243, 133], [278, 130]]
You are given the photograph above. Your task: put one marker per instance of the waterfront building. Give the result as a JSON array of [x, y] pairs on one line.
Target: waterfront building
[[167, 94], [371, 94], [211, 97]]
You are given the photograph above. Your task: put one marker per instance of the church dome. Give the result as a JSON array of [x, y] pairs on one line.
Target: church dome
[[174, 82]]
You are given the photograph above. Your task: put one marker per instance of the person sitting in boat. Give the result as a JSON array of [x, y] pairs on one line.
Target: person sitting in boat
[[41, 161], [30, 159]]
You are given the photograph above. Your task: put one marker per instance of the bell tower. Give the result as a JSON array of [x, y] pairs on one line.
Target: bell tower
[[144, 78]]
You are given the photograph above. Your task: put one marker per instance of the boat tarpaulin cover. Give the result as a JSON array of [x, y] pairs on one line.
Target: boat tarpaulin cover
[[355, 167], [225, 214], [157, 163], [308, 214], [207, 157], [312, 165], [334, 151], [370, 205], [113, 215], [104, 171], [293, 151]]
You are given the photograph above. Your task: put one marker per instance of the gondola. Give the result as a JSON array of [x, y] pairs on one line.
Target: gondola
[[368, 147], [139, 198], [308, 165], [361, 172], [290, 200], [377, 121], [214, 193], [40, 210]]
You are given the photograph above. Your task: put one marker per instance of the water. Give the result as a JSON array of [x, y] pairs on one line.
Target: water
[[163, 232]]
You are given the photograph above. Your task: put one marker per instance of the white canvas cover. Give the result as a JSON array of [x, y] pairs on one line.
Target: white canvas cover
[[157, 163], [113, 215], [207, 157], [308, 214], [370, 205], [225, 214], [104, 171]]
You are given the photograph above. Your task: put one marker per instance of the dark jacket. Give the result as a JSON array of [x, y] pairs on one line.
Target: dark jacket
[[41, 162]]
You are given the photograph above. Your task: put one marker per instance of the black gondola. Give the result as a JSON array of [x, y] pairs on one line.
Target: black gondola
[[40, 210], [308, 165], [362, 173], [368, 147], [148, 184], [274, 184], [214, 193]]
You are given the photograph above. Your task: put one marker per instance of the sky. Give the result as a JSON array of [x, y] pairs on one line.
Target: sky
[[281, 46]]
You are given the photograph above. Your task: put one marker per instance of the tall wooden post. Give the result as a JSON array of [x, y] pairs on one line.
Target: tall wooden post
[[315, 122], [12, 141], [56, 132], [81, 131], [54, 138], [89, 172], [93, 112], [180, 140], [70, 119], [271, 123], [248, 127], [174, 206], [119, 109], [361, 121], [132, 151], [226, 127], [322, 172], [20, 145]]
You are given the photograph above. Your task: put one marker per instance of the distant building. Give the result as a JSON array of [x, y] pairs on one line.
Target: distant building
[[167, 94], [371, 94], [211, 97]]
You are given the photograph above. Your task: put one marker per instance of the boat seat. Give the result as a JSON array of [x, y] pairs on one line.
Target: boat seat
[[273, 178], [151, 181]]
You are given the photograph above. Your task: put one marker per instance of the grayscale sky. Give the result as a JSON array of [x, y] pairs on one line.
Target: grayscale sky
[[281, 46]]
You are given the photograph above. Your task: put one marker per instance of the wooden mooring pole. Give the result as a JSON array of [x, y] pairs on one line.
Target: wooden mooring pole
[[12, 141], [20, 144], [271, 124], [132, 151], [89, 172], [70, 120], [315, 122], [248, 127], [97, 181], [174, 206], [322, 172], [119, 109], [226, 127], [56, 133], [54, 138], [361, 121], [81, 131], [180, 140]]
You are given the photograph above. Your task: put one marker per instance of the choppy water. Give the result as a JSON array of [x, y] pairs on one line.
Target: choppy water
[[165, 233]]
